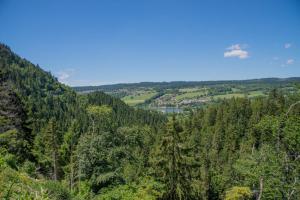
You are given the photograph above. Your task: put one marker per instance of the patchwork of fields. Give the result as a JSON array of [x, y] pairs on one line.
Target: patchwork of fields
[[193, 94]]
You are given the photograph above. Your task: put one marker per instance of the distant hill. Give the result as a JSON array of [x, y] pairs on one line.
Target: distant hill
[[192, 93], [182, 84]]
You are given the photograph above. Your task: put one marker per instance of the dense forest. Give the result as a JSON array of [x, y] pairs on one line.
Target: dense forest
[[57, 144]]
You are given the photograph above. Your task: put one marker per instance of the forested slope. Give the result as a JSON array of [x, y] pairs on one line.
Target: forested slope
[[38, 113], [56, 144]]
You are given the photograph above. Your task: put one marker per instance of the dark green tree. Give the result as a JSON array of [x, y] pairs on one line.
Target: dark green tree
[[46, 148], [174, 163]]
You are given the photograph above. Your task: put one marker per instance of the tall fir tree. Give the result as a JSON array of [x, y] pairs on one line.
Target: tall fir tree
[[46, 148], [175, 164]]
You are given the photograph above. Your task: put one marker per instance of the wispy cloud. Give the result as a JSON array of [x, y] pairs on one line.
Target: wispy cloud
[[64, 75], [287, 45], [236, 50], [290, 61]]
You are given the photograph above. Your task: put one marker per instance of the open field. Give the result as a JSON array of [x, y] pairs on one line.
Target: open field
[[228, 96], [190, 94], [139, 97], [256, 93], [192, 89], [231, 95]]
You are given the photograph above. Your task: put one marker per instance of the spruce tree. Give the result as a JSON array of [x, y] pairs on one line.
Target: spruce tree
[[47, 148], [174, 164]]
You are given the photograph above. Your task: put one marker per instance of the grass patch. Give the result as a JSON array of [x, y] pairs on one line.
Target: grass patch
[[228, 96], [190, 95], [191, 89], [139, 97], [256, 93]]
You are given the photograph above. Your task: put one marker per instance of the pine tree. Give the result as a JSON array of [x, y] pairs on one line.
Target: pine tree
[[67, 150], [175, 164], [47, 147]]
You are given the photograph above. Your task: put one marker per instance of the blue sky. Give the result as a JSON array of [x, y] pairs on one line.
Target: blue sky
[[111, 41]]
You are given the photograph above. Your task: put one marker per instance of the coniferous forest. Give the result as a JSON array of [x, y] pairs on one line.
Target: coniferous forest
[[59, 144]]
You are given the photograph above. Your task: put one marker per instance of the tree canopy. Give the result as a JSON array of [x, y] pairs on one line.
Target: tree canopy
[[57, 144]]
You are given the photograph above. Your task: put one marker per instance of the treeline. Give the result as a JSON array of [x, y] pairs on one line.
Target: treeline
[[56, 144], [266, 82]]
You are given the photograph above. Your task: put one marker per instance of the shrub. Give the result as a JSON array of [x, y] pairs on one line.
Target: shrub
[[238, 193], [56, 190]]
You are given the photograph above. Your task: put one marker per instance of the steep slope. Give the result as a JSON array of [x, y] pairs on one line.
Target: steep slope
[[42, 122], [30, 97]]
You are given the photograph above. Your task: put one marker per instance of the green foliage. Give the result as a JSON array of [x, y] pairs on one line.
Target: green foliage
[[17, 185], [95, 146], [267, 130], [15, 135], [111, 158], [238, 193], [99, 111], [291, 135], [174, 163], [100, 116], [97, 162], [263, 165], [46, 147], [83, 190], [29, 168], [122, 114], [8, 159], [56, 191], [146, 189]]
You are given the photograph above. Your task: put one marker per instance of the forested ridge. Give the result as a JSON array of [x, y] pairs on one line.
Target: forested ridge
[[187, 95], [56, 144], [183, 84]]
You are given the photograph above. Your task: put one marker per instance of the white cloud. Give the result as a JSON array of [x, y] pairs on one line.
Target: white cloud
[[234, 47], [64, 75], [236, 50], [290, 61], [287, 45]]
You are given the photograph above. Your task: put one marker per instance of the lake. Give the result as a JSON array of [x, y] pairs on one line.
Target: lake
[[168, 109]]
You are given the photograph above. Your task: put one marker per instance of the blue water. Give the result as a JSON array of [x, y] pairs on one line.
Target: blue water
[[168, 109]]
